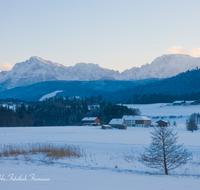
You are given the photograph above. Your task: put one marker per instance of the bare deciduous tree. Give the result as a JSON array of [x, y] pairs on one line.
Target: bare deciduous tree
[[164, 153]]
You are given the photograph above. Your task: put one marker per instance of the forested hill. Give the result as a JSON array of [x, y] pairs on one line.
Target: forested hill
[[113, 91], [184, 83], [70, 88]]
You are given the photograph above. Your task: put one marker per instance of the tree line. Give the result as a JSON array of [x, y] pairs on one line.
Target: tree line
[[161, 98], [59, 111]]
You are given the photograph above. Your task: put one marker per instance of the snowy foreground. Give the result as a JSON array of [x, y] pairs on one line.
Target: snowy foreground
[[109, 161]]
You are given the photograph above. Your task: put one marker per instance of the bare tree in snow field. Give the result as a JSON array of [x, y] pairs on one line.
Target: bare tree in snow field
[[164, 153]]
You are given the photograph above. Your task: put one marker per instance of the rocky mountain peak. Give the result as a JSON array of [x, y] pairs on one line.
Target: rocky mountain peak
[[36, 70]]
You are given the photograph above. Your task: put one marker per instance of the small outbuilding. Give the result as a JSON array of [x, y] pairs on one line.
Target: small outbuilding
[[91, 121], [162, 123], [118, 123], [106, 127]]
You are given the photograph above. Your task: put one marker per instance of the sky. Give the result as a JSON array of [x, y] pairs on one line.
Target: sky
[[116, 34]]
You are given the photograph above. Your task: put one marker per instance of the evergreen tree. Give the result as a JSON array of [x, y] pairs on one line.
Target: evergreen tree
[[191, 124], [174, 124]]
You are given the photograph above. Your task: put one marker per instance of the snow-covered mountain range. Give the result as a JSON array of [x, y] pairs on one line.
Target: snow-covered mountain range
[[162, 67], [37, 70]]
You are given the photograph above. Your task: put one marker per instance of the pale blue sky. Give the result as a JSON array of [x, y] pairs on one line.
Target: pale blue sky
[[116, 34]]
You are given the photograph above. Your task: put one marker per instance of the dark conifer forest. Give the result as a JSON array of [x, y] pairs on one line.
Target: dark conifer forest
[[59, 111]]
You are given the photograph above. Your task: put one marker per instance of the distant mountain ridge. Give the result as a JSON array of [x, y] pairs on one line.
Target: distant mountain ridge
[[35, 92], [114, 91], [165, 66], [186, 83], [37, 70]]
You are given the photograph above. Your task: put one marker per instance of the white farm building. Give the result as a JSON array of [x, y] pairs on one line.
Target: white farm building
[[136, 120]]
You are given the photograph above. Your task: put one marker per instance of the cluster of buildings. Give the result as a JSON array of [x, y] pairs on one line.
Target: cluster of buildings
[[184, 103], [12, 105], [130, 121], [124, 122]]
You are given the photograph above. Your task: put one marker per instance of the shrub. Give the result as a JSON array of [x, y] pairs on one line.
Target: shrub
[[54, 151]]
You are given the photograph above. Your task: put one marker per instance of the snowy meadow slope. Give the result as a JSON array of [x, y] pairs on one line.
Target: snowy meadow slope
[[165, 109], [109, 160]]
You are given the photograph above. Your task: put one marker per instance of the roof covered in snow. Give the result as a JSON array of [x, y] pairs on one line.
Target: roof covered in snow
[[190, 101], [162, 121], [116, 122], [178, 102], [135, 117], [89, 118]]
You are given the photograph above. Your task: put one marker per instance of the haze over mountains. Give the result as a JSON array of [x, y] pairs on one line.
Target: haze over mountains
[[37, 70]]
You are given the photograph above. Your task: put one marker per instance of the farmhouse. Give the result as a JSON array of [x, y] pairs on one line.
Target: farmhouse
[[182, 102], [118, 123], [91, 121], [106, 127], [140, 121], [188, 103], [178, 103], [162, 123]]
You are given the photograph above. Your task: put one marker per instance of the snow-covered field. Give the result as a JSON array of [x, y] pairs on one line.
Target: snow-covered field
[[109, 161], [162, 109]]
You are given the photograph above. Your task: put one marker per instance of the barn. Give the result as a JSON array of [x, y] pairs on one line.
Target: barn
[[118, 123], [91, 121], [162, 123], [178, 103]]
